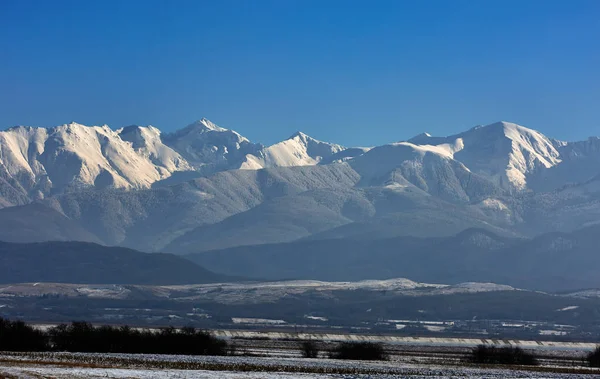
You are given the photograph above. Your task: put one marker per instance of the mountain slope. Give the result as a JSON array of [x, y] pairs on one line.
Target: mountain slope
[[428, 168], [79, 262], [36, 222], [336, 212], [150, 219], [580, 161], [281, 219]]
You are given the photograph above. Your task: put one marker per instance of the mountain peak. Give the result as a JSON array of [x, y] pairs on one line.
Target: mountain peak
[[73, 124], [498, 125], [300, 135], [420, 138], [298, 150], [206, 125], [504, 126], [129, 129], [506, 152], [305, 139], [199, 128]]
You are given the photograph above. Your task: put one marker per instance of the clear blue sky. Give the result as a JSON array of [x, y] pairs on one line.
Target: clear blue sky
[[353, 72]]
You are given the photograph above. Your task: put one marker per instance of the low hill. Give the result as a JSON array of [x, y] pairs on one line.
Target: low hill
[[549, 262], [89, 263], [37, 222]]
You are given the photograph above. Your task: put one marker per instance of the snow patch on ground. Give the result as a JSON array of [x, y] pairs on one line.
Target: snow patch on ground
[[245, 320], [569, 308], [317, 318]]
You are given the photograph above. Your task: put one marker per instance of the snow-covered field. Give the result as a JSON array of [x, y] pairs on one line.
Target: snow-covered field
[[409, 341], [64, 365], [60, 373]]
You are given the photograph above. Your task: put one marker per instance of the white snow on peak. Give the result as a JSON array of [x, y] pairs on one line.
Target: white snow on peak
[[206, 124], [207, 146], [146, 140], [507, 153], [73, 156], [298, 150], [44, 161], [445, 149], [421, 163], [504, 152]]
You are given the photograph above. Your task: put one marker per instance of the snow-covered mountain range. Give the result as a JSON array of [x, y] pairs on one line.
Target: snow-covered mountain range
[[38, 162], [205, 187]]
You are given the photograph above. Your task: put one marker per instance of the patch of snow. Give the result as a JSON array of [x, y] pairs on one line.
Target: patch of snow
[[317, 318], [246, 320], [434, 328], [569, 308], [493, 204], [512, 325]]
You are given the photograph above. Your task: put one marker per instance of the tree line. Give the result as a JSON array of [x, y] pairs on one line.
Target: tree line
[[84, 337]]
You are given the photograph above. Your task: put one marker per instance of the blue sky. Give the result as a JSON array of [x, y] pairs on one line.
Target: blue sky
[[353, 72]]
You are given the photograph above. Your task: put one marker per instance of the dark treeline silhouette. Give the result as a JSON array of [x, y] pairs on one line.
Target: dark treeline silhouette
[[593, 358], [18, 336], [502, 355], [83, 337]]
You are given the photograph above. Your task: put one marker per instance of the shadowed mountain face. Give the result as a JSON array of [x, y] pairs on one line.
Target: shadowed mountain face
[[205, 187], [552, 262], [80, 262]]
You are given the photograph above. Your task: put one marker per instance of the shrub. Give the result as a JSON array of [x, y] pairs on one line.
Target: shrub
[[502, 355], [309, 349], [18, 336], [593, 358], [365, 351]]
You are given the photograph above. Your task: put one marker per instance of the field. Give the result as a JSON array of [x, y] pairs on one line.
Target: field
[[276, 359]]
